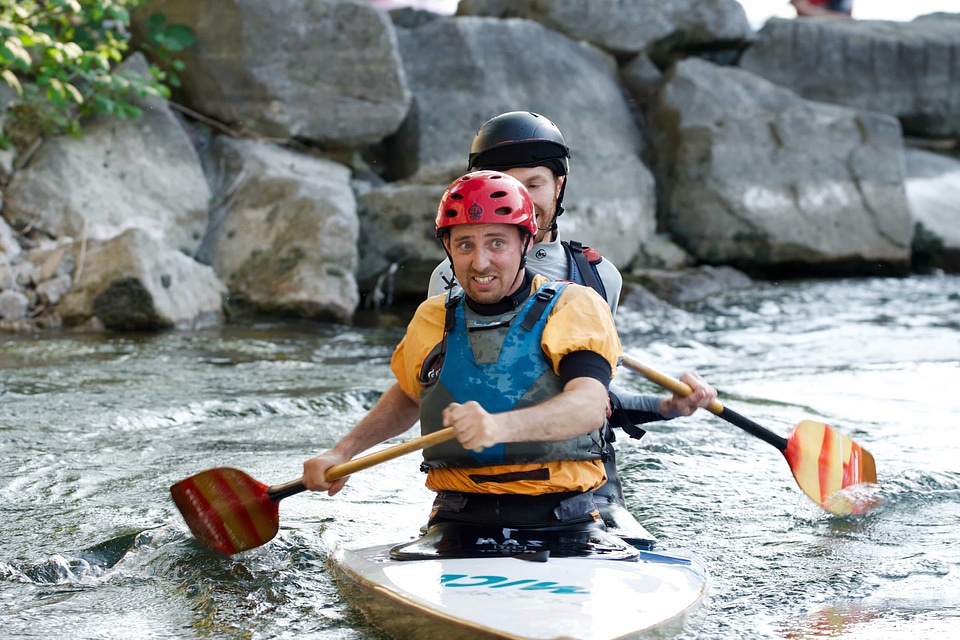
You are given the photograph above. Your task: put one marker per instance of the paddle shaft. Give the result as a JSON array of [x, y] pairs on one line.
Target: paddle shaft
[[672, 384], [280, 491]]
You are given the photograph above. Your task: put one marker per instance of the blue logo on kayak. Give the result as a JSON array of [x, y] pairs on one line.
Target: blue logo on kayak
[[502, 582]]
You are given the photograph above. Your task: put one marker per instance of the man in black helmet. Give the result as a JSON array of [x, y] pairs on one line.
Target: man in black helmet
[[529, 147]]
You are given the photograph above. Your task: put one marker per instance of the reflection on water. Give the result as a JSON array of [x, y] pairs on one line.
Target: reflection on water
[[94, 430]]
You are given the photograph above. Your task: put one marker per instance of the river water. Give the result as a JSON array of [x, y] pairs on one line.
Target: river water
[[95, 428]]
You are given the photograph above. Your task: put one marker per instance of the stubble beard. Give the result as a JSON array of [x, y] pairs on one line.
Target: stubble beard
[[543, 232]]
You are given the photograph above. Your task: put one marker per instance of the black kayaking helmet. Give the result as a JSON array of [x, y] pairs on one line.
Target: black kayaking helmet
[[521, 139]]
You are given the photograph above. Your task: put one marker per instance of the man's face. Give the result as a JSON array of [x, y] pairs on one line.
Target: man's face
[[486, 259], [544, 188]]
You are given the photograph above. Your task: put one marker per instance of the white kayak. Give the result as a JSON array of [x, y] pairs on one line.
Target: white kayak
[[583, 598]]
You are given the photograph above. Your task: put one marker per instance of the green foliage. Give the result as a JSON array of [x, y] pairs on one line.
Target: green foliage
[[60, 58], [164, 42]]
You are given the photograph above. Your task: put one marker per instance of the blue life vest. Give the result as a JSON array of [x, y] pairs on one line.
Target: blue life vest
[[497, 361]]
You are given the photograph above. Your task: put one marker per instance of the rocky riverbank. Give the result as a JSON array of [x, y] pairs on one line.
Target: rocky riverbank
[[297, 171]]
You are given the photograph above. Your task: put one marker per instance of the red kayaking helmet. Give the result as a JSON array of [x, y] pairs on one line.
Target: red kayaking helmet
[[519, 139], [486, 197]]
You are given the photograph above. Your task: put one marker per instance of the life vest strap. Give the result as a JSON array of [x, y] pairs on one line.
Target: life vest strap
[[583, 257]]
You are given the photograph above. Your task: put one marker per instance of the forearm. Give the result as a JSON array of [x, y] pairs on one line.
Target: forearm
[[580, 409], [393, 414], [636, 408], [650, 407]]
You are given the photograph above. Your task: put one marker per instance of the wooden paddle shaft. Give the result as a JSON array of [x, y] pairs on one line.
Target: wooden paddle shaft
[[667, 382], [672, 384], [365, 462], [337, 471], [822, 461]]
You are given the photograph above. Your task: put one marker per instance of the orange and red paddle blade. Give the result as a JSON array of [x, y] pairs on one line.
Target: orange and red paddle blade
[[227, 510], [831, 468]]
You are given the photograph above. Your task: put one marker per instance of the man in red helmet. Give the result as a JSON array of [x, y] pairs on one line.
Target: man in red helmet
[[531, 148], [517, 364]]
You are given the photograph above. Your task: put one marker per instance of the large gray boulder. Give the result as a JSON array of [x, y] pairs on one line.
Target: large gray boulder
[[321, 70], [903, 69], [628, 27], [398, 244], [134, 283], [284, 236], [9, 247], [40, 277], [122, 174], [756, 177], [463, 71], [933, 193], [683, 286]]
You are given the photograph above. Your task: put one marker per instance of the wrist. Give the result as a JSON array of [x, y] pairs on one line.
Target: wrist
[[668, 409]]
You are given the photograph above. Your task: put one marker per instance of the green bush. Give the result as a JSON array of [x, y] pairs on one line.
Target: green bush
[[60, 58]]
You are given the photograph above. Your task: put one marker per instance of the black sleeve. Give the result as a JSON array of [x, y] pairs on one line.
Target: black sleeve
[[585, 364]]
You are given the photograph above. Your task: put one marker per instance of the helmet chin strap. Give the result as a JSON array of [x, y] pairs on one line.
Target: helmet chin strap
[[526, 249], [528, 242], [453, 274], [553, 224], [558, 208]]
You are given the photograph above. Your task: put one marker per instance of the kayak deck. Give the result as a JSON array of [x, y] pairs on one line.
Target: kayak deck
[[504, 597]]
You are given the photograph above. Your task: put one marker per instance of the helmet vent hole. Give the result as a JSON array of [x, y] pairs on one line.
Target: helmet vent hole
[[456, 196], [498, 194], [450, 213], [503, 211]]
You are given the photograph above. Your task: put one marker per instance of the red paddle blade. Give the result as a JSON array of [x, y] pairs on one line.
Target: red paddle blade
[[831, 468], [227, 510]]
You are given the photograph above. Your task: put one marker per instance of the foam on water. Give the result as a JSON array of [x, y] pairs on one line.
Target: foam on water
[[95, 429]]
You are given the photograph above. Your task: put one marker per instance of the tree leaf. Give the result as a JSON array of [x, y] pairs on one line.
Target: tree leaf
[[73, 91], [72, 50], [12, 80], [16, 48]]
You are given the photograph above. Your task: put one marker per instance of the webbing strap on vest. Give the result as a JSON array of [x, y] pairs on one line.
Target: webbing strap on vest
[[432, 364], [587, 272], [430, 371], [544, 296]]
